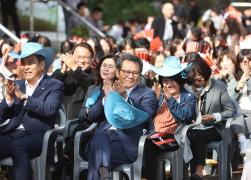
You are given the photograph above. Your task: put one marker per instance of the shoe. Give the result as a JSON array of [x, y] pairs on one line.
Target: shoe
[[243, 147]]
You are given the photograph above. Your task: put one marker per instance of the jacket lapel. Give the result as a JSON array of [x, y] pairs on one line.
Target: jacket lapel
[[41, 87], [210, 95]]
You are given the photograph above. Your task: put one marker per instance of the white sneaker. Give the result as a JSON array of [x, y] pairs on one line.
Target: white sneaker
[[243, 147]]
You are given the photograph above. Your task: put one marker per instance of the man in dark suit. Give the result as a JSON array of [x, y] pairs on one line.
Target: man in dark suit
[[29, 109], [164, 27], [111, 146]]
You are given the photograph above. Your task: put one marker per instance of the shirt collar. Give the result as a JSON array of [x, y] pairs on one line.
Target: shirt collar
[[35, 85], [128, 91], [169, 21], [208, 85]]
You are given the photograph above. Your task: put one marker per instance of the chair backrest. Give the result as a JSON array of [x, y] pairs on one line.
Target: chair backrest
[[61, 119]]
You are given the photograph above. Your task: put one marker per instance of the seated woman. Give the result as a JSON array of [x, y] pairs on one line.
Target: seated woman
[[106, 75], [213, 105], [176, 108], [229, 70]]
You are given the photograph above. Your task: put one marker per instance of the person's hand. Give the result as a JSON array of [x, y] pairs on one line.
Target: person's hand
[[107, 86], [69, 61], [117, 86], [19, 94], [8, 61], [207, 118], [9, 90], [166, 91], [64, 68], [19, 73], [244, 77], [246, 71], [150, 75], [157, 89]]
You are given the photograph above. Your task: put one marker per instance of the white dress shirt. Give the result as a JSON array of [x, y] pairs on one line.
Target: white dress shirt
[[29, 91], [168, 32]]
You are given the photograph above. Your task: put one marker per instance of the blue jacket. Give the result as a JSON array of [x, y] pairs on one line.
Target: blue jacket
[[39, 112], [185, 110], [140, 97]]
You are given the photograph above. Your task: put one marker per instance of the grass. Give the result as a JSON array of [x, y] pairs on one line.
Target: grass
[[39, 24]]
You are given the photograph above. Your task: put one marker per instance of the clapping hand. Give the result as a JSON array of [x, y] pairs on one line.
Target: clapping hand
[[120, 88], [69, 61], [107, 86], [157, 89], [9, 90], [166, 90]]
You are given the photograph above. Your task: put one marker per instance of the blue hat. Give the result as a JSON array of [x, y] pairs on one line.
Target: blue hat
[[37, 49], [171, 67], [120, 114]]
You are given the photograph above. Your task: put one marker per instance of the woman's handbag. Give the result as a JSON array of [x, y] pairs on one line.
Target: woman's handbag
[[165, 128]]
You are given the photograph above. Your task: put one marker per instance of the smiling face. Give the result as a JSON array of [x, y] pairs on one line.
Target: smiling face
[[108, 69], [32, 68], [227, 65], [172, 86], [129, 74], [82, 57], [159, 61]]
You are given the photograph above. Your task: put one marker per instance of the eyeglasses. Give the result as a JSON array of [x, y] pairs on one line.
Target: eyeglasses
[[127, 73], [199, 80], [83, 57]]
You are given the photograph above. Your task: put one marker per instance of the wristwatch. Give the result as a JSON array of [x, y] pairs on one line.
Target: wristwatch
[[24, 98]]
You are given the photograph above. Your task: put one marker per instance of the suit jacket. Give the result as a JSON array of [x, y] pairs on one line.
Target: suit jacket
[[39, 112], [140, 97], [96, 111], [218, 100], [76, 84], [159, 27], [184, 111]]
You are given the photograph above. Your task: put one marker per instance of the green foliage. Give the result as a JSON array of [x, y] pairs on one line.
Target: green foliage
[[39, 24], [115, 10], [80, 31]]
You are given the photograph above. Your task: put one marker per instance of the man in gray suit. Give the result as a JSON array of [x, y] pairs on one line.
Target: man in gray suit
[[213, 105]]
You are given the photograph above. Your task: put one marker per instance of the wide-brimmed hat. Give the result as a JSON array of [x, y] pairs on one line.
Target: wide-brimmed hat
[[120, 114], [171, 67], [37, 49]]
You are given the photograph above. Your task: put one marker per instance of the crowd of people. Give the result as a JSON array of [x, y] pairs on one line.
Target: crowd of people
[[152, 78]]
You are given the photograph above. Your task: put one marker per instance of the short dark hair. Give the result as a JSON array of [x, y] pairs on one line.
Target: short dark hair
[[191, 57], [142, 43], [86, 46], [242, 54], [199, 67], [120, 58], [66, 46], [196, 32], [177, 78], [97, 9], [80, 4]]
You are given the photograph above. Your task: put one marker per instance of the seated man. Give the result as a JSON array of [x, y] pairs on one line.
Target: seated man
[[112, 145], [29, 109], [77, 76]]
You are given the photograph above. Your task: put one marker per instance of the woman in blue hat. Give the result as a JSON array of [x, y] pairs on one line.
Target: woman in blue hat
[[176, 108]]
